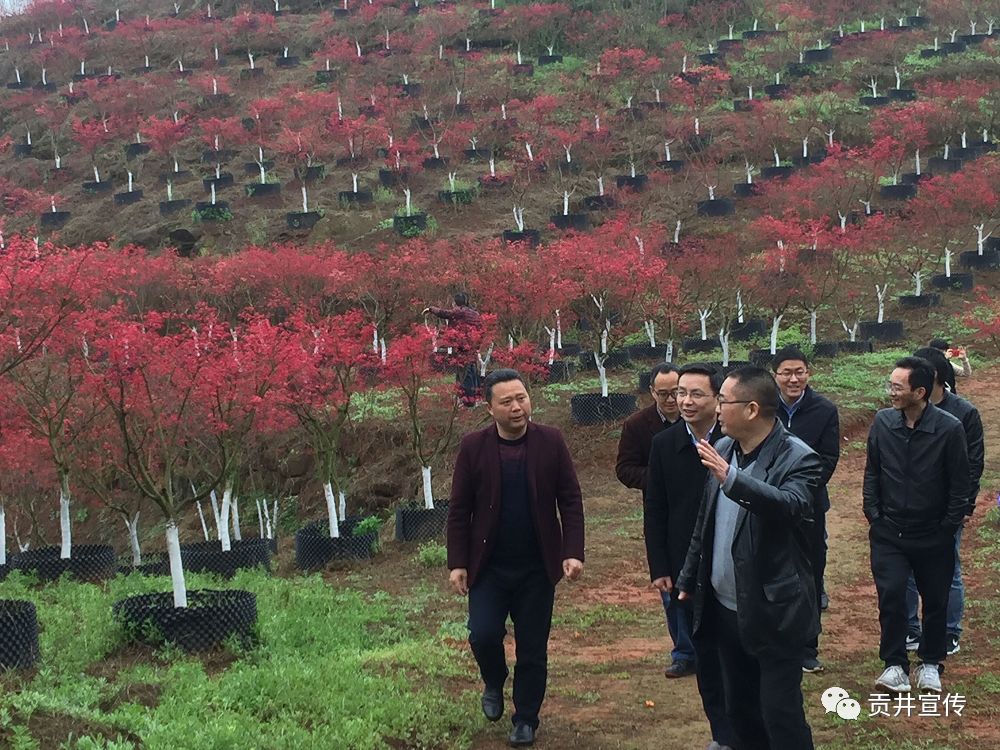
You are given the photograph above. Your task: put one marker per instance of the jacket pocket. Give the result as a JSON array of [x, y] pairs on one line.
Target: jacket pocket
[[783, 589]]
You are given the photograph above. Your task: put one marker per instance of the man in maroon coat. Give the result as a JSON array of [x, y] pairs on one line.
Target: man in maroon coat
[[515, 528]]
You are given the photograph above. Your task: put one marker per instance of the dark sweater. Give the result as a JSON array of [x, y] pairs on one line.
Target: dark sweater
[[517, 543]]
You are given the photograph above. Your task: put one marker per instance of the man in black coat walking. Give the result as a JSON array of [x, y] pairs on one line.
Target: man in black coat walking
[[673, 496], [814, 420]]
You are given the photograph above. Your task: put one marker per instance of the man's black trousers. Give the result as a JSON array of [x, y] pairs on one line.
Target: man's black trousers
[[526, 594], [931, 559], [763, 695]]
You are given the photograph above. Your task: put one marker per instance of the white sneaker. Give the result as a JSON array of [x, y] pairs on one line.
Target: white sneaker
[[894, 680], [928, 679]]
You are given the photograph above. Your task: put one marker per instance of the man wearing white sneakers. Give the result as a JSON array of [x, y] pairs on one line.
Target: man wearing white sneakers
[[916, 493]]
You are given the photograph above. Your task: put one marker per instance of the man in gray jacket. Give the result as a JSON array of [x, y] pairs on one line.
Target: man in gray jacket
[[916, 493], [748, 566]]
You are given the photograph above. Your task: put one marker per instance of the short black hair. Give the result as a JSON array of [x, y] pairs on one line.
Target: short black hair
[[942, 367], [461, 299], [758, 385], [504, 375], [939, 344], [664, 368], [921, 373], [715, 377], [788, 353]]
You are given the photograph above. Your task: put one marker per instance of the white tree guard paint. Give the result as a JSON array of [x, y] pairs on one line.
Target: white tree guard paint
[[425, 472], [176, 567], [331, 510]]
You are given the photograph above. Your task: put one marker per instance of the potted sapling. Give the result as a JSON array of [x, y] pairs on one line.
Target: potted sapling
[[408, 222], [987, 252], [23, 150], [748, 188], [172, 205], [744, 105], [916, 176], [304, 219], [53, 219], [778, 170], [899, 94], [130, 196], [565, 219], [520, 67], [253, 71], [218, 179], [601, 200], [521, 234], [953, 281], [819, 54], [355, 196], [776, 90], [458, 193], [715, 206], [875, 100], [212, 209], [264, 188], [953, 45], [475, 153], [494, 180], [915, 261], [327, 74], [632, 180], [551, 58], [286, 60], [946, 162], [138, 148], [731, 42], [17, 84]]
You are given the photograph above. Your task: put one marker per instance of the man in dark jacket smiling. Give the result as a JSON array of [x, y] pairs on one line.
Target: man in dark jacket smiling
[[916, 493], [814, 420], [515, 528], [748, 565]]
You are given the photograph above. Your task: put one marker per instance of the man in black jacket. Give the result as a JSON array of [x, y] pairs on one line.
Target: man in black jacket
[[747, 568], [972, 423], [814, 420], [673, 496], [916, 494]]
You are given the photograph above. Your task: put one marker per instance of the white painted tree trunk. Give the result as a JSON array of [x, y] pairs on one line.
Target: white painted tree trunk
[[851, 331], [703, 316], [565, 203], [215, 512], [176, 567], [204, 526], [775, 325], [237, 534], [602, 373], [650, 328], [64, 525], [3, 535], [813, 315], [552, 344], [947, 263], [223, 525], [918, 282], [739, 307], [260, 519], [425, 472], [724, 345], [670, 351], [133, 540], [342, 501], [331, 510], [880, 291], [558, 331]]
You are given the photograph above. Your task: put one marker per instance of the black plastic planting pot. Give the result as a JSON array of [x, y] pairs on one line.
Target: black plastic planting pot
[[930, 299], [716, 207], [777, 172], [865, 346], [632, 183], [287, 62], [302, 219], [776, 90], [875, 101], [168, 208], [593, 408], [208, 557], [315, 548], [417, 524], [760, 357], [53, 219], [549, 59], [156, 564], [746, 189], [962, 282], [18, 634], [817, 55], [532, 236], [455, 197], [748, 329], [224, 180], [598, 202], [902, 95], [561, 371], [899, 192], [104, 186], [127, 199], [133, 150], [826, 349], [645, 351], [696, 344], [579, 222], [887, 330], [87, 562], [262, 189], [252, 167], [726, 45], [940, 164], [211, 618], [405, 225], [972, 259], [326, 76]]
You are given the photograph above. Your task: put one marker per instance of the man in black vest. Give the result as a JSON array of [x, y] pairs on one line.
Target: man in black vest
[[814, 420], [673, 496]]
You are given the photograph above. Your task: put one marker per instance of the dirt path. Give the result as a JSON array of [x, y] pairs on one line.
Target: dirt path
[[609, 642]]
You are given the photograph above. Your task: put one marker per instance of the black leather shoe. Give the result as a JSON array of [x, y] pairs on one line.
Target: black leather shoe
[[679, 669], [492, 703], [522, 736]]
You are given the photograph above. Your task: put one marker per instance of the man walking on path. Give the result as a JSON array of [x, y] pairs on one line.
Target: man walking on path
[[972, 423], [814, 420], [747, 568], [916, 494], [673, 497], [515, 528]]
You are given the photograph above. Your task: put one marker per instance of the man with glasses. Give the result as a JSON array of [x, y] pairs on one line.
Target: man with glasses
[[916, 492], [673, 496], [747, 568], [640, 428], [814, 420]]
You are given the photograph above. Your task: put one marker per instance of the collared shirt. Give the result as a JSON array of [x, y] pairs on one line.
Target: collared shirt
[[694, 440], [663, 417], [790, 409]]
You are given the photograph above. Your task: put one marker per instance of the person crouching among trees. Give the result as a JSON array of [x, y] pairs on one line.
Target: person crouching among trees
[[467, 324]]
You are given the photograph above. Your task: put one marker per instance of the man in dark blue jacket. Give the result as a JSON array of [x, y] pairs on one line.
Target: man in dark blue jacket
[[814, 420], [916, 494]]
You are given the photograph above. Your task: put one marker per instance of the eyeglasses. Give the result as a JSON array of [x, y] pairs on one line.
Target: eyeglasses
[[786, 374], [693, 395], [895, 388], [723, 402], [666, 394]]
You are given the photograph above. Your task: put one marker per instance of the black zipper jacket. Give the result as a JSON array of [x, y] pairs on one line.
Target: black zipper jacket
[[917, 479]]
